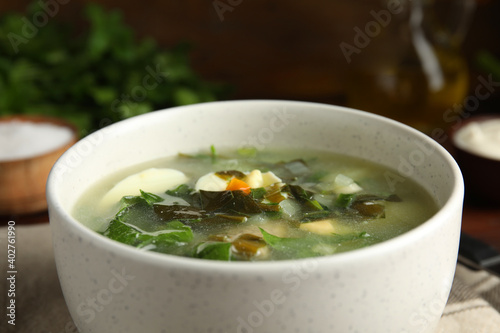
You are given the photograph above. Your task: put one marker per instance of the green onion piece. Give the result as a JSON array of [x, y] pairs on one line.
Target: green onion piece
[[345, 200], [247, 151], [213, 153], [314, 204], [316, 215]]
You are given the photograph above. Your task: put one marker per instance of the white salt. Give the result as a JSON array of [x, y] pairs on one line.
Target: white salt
[[24, 139]]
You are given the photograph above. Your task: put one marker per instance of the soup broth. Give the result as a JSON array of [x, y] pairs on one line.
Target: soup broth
[[250, 205]]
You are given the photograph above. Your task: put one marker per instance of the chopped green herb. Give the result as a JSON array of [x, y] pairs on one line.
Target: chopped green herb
[[150, 197], [181, 191], [213, 153], [316, 215], [314, 204], [258, 193], [179, 212], [146, 197], [247, 151], [345, 200], [213, 251], [293, 247]]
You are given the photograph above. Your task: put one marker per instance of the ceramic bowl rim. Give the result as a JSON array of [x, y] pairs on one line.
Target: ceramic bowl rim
[[448, 208]]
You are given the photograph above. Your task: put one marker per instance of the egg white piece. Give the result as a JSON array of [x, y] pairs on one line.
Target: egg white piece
[[153, 180], [210, 182]]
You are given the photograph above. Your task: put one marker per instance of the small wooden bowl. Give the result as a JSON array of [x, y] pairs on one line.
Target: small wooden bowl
[[22, 181]]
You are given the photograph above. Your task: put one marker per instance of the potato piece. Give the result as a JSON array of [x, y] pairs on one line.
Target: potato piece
[[346, 185], [323, 227], [256, 179], [269, 178]]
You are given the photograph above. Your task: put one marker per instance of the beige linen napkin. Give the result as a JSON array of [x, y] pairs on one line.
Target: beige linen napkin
[[473, 306], [40, 306]]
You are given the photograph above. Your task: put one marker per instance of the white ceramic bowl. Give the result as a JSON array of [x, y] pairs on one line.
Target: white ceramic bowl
[[400, 285]]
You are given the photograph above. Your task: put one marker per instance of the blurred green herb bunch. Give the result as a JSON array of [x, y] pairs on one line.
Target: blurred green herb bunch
[[92, 78]]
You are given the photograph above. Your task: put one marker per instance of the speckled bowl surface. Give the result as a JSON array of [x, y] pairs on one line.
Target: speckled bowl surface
[[400, 285]]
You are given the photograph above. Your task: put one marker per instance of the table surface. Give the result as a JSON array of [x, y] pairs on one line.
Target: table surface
[[482, 222]]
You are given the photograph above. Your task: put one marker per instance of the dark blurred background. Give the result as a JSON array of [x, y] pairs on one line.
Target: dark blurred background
[[278, 49]]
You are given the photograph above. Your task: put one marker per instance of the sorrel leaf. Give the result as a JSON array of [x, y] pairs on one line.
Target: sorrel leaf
[[213, 251], [125, 228], [312, 246]]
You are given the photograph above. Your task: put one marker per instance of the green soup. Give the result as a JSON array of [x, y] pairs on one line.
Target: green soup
[[250, 205]]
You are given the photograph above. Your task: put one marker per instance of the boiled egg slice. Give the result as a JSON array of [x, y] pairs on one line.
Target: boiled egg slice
[[154, 180], [254, 179], [211, 182]]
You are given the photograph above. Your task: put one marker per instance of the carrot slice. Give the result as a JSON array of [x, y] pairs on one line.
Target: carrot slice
[[238, 185]]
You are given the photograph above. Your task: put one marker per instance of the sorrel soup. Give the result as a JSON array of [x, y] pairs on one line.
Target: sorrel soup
[[250, 205]]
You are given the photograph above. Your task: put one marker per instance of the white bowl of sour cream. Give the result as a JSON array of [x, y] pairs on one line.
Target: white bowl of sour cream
[[477, 150]]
